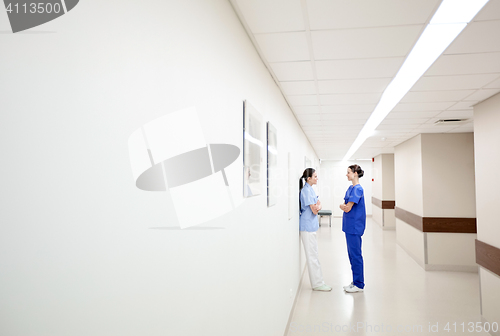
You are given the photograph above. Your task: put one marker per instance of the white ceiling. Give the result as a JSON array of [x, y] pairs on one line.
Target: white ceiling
[[333, 59]]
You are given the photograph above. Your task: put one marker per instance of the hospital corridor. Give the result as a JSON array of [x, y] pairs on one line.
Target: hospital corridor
[[164, 165], [399, 298]]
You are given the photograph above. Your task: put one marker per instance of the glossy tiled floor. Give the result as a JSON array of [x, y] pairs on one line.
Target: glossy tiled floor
[[399, 297]]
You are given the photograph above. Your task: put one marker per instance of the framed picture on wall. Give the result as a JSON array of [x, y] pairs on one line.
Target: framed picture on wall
[[293, 204], [272, 165], [307, 162], [253, 145]]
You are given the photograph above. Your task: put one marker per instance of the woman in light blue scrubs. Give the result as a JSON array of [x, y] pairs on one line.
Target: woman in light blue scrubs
[[353, 224], [308, 225]]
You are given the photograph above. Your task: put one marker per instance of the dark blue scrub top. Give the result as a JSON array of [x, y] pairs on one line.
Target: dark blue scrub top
[[354, 221]]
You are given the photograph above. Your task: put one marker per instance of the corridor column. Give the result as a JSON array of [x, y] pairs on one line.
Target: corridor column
[[435, 200], [383, 191], [486, 140]]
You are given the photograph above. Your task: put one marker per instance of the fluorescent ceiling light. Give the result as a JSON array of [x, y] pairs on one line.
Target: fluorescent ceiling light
[[449, 20], [457, 11]]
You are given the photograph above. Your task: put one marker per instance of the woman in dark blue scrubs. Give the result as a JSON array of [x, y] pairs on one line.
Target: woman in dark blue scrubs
[[353, 224]]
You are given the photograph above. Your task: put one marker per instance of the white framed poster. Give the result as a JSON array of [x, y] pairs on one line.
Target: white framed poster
[[272, 165], [253, 145], [293, 205], [307, 162]]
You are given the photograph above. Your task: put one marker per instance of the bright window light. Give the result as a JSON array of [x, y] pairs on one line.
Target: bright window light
[[449, 20], [253, 140], [272, 150]]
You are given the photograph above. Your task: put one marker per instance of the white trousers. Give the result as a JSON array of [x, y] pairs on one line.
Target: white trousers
[[313, 266]]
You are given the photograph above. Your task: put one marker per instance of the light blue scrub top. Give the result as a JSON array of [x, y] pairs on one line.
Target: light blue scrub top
[[308, 221], [354, 221]]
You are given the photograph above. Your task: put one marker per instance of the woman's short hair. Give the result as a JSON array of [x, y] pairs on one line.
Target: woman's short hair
[[357, 169]]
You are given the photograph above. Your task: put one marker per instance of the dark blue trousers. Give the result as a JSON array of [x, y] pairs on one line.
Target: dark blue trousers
[[356, 259]]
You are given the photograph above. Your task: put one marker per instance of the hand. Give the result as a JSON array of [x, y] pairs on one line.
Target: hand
[[342, 206]]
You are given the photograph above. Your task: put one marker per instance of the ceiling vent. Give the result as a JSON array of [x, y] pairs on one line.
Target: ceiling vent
[[450, 122]]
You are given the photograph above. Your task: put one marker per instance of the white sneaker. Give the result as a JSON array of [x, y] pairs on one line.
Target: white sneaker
[[353, 289], [349, 285], [323, 288]]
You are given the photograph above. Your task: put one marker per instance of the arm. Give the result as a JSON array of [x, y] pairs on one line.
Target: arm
[[353, 198], [346, 207], [314, 208], [318, 205]]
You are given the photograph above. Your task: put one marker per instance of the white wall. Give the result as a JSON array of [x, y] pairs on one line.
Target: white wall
[[435, 178], [383, 177], [388, 177], [486, 138], [453, 251], [408, 175], [449, 191], [411, 240], [448, 175], [378, 215], [77, 252], [490, 296], [383, 189], [389, 219], [378, 174]]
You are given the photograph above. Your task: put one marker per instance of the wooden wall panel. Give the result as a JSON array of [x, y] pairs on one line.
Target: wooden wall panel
[[437, 224], [384, 204], [488, 256], [409, 218]]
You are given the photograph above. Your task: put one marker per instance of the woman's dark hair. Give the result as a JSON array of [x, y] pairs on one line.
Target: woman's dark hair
[[308, 172], [357, 169]]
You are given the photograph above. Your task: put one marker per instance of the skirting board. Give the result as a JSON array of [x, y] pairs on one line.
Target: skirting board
[[452, 268], [297, 292]]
